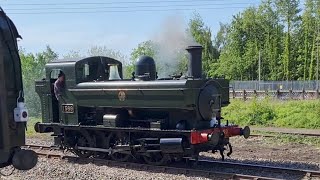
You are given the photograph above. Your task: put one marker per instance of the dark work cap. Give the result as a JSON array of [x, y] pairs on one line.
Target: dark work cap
[[60, 74]]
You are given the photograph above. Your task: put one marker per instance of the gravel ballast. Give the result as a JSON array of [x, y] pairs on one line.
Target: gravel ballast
[[58, 169], [253, 150]]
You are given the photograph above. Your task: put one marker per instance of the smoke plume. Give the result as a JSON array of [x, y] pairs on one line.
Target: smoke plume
[[170, 43]]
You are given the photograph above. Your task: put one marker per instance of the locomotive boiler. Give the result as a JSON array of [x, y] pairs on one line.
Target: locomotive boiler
[[102, 114]]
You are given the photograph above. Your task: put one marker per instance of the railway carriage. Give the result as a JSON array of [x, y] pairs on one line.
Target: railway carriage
[[145, 117]]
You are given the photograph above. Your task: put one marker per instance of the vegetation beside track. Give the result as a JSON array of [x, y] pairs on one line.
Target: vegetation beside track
[[30, 126], [271, 113]]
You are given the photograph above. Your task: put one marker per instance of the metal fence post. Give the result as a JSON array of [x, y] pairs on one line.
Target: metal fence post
[[290, 94], [244, 95], [233, 94], [278, 94], [266, 93]]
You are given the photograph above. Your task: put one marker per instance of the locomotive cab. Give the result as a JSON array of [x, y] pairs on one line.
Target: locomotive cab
[[92, 69]]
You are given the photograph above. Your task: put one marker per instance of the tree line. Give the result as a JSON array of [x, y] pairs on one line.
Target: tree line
[[278, 36], [285, 36]]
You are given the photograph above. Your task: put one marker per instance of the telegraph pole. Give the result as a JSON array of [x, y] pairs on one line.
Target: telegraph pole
[[259, 68], [317, 75]]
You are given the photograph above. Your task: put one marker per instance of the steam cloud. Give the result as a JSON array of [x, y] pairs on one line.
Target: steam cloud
[[170, 44]]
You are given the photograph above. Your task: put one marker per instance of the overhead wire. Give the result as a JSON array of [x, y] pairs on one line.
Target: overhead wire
[[122, 11], [115, 2], [125, 7]]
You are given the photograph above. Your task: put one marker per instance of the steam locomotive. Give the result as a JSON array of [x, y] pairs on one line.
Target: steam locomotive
[[155, 119], [13, 113]]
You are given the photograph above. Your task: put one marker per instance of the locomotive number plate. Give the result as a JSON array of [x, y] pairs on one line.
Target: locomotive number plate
[[68, 108]]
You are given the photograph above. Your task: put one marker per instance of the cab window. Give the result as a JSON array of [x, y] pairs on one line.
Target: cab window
[[54, 73], [97, 70], [87, 72]]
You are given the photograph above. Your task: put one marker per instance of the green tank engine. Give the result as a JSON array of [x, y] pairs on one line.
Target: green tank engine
[[102, 112]]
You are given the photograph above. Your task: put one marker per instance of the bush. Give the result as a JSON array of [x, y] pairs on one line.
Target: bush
[[30, 128], [295, 114]]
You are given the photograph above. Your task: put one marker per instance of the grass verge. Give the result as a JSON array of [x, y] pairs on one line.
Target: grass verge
[[292, 114]]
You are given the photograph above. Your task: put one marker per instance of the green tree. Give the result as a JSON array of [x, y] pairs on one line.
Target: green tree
[[146, 48], [202, 35], [315, 42], [105, 51], [288, 10], [271, 43], [271, 30], [307, 38], [100, 51], [220, 39], [239, 57], [97, 51], [73, 54], [33, 68]]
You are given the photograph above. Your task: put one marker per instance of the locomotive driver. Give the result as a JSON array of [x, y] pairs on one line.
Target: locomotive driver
[[59, 85]]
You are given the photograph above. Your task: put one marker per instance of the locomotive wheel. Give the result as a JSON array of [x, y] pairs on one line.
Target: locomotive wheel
[[84, 140], [156, 158], [101, 138], [115, 139]]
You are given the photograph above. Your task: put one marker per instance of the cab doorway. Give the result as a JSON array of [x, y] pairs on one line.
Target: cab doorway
[[54, 102]]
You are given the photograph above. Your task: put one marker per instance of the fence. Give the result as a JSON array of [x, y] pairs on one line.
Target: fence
[[281, 90], [275, 85], [280, 95]]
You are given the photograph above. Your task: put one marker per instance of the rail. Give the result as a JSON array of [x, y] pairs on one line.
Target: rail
[[257, 167]]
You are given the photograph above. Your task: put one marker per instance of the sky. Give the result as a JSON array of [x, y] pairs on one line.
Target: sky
[[121, 25]]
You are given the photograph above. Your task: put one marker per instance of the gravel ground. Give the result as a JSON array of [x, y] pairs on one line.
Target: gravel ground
[[54, 169], [253, 150], [44, 139], [259, 150]]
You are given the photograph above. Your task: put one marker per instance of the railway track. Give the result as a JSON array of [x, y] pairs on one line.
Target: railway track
[[284, 133], [275, 134], [256, 167], [209, 168]]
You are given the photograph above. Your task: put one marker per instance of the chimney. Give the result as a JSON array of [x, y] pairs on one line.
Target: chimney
[[195, 61]]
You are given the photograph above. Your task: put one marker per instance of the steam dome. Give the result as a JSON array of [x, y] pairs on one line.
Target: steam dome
[[146, 68]]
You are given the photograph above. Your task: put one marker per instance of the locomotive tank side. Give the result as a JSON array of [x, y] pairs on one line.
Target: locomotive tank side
[[200, 96], [135, 94]]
